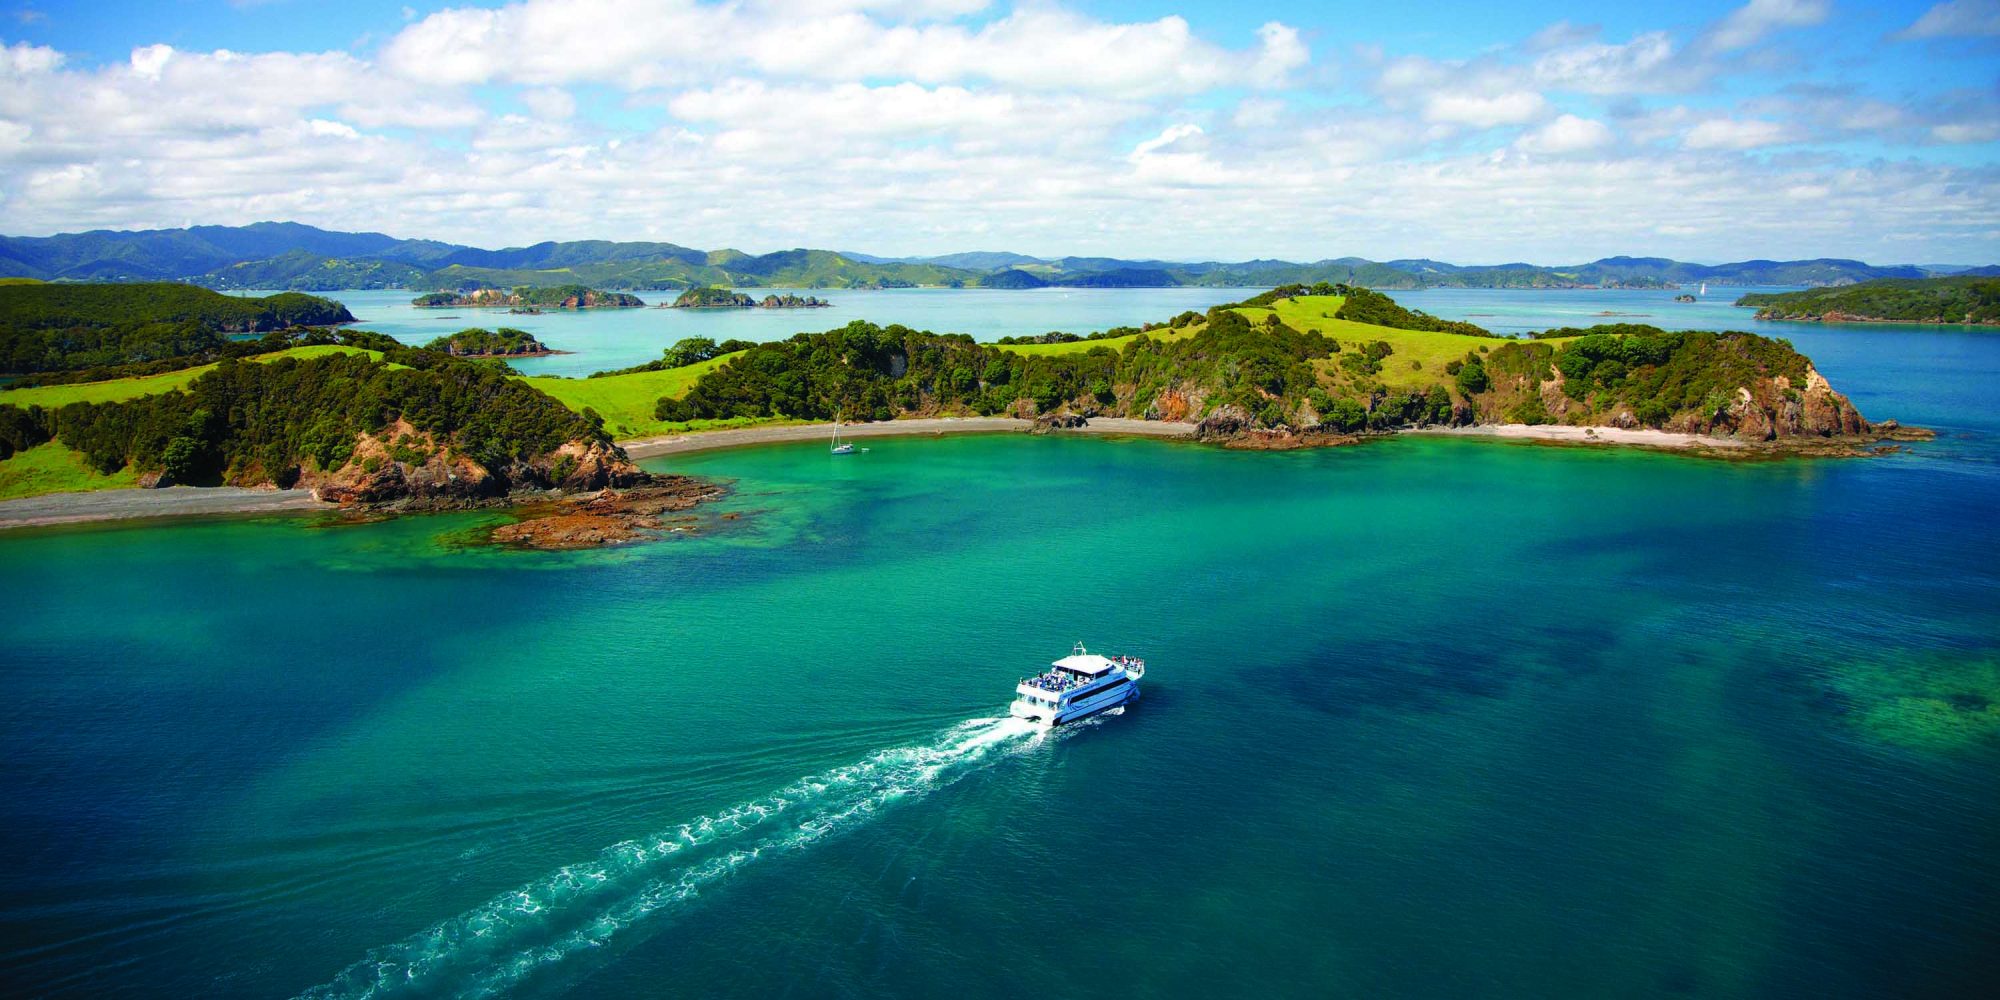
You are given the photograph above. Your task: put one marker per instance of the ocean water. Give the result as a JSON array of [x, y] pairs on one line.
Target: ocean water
[[1423, 718]]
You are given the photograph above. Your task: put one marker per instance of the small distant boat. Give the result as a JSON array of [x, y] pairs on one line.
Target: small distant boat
[[840, 447], [1077, 686], [1704, 289]]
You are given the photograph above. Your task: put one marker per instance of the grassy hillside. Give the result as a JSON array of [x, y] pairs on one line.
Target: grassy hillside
[[308, 272], [120, 389], [1115, 343], [52, 467], [626, 401], [1430, 351]]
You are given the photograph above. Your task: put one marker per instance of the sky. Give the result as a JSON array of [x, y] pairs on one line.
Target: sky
[[1548, 132]]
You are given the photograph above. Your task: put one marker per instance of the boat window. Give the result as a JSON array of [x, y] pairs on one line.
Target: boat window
[[1075, 697]]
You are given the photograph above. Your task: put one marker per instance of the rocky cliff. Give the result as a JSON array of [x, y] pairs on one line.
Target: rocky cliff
[[403, 464]]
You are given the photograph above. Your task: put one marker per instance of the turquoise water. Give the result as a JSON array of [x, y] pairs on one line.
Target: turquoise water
[[1423, 718]]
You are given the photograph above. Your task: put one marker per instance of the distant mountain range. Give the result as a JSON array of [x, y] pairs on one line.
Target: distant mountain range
[[288, 255]]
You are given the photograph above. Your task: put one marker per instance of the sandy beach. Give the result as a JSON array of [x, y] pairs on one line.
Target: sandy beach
[[174, 501], [707, 440], [1644, 437]]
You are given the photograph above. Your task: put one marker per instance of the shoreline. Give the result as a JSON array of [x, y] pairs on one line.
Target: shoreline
[[678, 444], [186, 501], [1642, 437], [140, 504]]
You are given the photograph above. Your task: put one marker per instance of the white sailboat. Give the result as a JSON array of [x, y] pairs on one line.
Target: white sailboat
[[840, 448], [1704, 288]]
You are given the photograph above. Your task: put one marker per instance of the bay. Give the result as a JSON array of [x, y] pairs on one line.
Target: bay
[[1423, 717]]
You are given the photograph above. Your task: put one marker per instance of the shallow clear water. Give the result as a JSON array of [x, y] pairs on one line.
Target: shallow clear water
[[1423, 718]]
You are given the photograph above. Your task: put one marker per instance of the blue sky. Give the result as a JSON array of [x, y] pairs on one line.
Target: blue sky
[[1473, 133]]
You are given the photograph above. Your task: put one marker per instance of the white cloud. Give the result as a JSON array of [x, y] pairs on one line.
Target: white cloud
[[1956, 18], [338, 130], [904, 109], [1967, 132], [1173, 134], [680, 42], [1486, 111], [931, 125], [552, 103], [1566, 134], [149, 62], [1738, 134], [1257, 112], [22, 59], [1748, 24], [1638, 66]]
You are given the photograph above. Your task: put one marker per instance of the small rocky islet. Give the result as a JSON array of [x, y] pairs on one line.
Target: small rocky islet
[[712, 297], [529, 299]]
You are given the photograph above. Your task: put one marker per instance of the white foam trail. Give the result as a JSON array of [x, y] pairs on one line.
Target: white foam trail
[[583, 907]]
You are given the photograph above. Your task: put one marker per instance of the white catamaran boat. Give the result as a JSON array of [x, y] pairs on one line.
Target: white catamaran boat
[[1078, 686]]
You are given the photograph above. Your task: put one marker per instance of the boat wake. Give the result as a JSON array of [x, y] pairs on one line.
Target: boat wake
[[515, 938]]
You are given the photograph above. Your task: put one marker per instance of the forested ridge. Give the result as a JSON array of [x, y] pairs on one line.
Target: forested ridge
[[1929, 300], [63, 327]]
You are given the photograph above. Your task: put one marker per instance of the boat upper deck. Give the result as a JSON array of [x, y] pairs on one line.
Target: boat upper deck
[[1077, 671]]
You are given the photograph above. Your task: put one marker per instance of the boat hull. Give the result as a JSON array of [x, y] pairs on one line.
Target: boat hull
[[1077, 711]]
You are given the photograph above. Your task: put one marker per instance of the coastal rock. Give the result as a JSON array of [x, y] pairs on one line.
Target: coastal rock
[[404, 466], [1287, 439], [1050, 422], [1226, 422], [595, 465], [1748, 420], [607, 517], [1825, 412]]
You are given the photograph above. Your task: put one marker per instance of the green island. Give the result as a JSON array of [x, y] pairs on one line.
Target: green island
[[361, 418], [716, 297], [1290, 367], [1970, 300], [479, 342], [528, 297]]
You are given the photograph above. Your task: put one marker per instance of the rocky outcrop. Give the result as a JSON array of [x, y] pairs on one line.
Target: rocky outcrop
[[1225, 422], [609, 517], [1051, 422], [789, 301], [1773, 408], [710, 297], [401, 465]]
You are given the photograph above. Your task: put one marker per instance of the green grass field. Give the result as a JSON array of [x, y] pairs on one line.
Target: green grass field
[[1115, 343], [1430, 350], [54, 468], [626, 401], [117, 389]]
